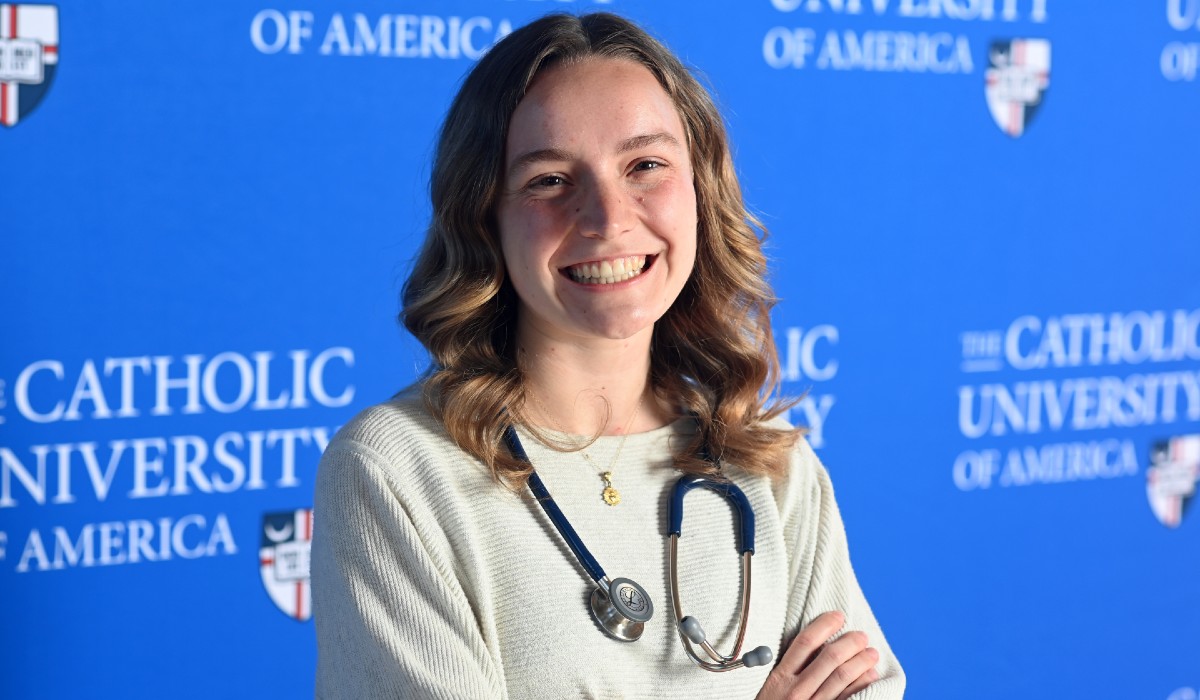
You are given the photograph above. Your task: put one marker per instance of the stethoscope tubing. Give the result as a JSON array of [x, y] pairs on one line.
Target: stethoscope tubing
[[542, 495], [729, 490], [720, 662]]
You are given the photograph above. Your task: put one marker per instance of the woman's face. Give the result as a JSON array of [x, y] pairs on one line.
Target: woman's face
[[598, 211]]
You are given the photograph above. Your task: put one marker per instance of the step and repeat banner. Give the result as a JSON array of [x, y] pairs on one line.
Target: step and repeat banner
[[984, 223]]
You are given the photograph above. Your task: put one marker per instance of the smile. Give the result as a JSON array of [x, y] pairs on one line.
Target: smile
[[608, 271]]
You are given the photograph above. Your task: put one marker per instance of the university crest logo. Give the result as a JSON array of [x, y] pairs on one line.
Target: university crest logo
[[283, 561], [1016, 80], [28, 58], [1171, 478]]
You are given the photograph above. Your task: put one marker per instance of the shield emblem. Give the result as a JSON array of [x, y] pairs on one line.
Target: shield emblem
[[1171, 478], [1016, 81], [28, 58], [283, 561]]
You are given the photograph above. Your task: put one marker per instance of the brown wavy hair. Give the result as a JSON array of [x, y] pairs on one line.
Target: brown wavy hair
[[712, 353]]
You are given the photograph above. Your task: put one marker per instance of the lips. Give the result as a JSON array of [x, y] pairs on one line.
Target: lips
[[608, 271]]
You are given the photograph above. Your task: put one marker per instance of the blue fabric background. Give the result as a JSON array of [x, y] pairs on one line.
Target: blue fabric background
[[179, 191]]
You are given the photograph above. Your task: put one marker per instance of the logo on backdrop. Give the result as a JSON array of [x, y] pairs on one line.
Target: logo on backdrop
[[862, 36], [28, 58], [1016, 82], [1171, 478], [808, 359], [1066, 390], [283, 561], [358, 34], [122, 458], [1180, 60], [924, 38]]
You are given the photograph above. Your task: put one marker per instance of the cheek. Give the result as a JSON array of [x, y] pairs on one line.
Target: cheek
[[685, 229], [527, 246], [514, 240], [688, 244]]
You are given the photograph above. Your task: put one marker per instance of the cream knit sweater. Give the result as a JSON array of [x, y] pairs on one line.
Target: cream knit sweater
[[429, 580]]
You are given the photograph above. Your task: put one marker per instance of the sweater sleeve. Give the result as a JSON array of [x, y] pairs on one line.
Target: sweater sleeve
[[391, 618], [822, 577]]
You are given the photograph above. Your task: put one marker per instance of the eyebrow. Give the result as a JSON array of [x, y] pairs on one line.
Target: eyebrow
[[629, 144], [632, 144]]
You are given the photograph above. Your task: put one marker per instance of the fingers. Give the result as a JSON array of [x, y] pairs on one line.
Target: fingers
[[850, 677], [809, 642], [863, 681], [812, 668], [836, 667]]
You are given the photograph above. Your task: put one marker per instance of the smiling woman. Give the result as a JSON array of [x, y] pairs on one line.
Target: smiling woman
[[599, 179], [592, 293]]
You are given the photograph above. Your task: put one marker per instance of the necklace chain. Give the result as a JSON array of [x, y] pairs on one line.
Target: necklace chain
[[609, 495]]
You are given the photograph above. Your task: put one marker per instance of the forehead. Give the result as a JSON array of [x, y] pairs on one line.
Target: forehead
[[595, 102]]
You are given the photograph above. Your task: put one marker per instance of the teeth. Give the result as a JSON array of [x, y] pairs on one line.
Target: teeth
[[608, 271]]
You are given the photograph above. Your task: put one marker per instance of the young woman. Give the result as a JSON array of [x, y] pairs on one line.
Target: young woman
[[592, 293]]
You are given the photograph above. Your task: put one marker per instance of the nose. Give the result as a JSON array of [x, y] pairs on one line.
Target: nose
[[604, 211]]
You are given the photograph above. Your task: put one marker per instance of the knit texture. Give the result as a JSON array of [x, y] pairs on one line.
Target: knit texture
[[432, 581]]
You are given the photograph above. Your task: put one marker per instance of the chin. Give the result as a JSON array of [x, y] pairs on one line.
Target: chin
[[619, 329]]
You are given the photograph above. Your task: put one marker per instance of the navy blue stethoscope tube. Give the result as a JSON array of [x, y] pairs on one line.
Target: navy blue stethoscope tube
[[732, 493], [555, 513]]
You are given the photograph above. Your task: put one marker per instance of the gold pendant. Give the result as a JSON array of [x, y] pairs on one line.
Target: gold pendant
[[610, 495]]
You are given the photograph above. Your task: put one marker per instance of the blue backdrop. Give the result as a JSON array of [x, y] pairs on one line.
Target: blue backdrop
[[985, 229]]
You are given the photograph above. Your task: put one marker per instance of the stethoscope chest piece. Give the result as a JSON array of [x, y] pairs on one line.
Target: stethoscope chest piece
[[623, 610]]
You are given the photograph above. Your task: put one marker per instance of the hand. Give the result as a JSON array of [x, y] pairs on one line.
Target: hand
[[813, 670]]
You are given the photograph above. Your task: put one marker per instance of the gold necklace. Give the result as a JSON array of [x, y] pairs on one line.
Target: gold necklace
[[610, 495]]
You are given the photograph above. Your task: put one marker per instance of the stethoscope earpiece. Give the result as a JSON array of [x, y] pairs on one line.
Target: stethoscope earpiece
[[690, 628], [760, 656]]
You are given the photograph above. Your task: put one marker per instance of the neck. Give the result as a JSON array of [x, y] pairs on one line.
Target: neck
[[589, 387]]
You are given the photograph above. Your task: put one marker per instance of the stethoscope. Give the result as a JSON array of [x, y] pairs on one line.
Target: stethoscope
[[622, 607]]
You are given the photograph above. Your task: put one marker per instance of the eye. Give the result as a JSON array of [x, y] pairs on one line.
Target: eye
[[547, 181], [647, 165]]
